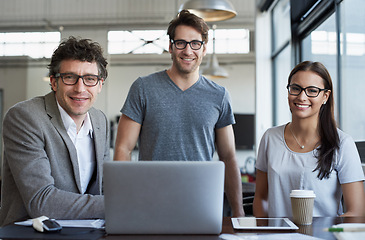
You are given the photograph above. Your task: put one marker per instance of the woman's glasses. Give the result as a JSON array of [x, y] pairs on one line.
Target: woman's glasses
[[310, 91]]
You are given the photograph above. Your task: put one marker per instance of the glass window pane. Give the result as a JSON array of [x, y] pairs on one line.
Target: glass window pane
[[33, 44], [229, 41], [157, 41], [282, 69], [148, 48], [353, 68], [281, 24], [33, 50], [321, 46], [48, 49], [163, 43], [13, 49], [13, 37], [281, 34], [150, 34]]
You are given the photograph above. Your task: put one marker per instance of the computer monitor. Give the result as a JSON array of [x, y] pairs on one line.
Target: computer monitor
[[361, 148], [244, 131]]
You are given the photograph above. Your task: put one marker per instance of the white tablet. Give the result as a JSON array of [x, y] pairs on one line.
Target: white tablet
[[263, 223]]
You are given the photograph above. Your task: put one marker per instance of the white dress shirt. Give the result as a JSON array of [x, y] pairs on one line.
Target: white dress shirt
[[84, 146]]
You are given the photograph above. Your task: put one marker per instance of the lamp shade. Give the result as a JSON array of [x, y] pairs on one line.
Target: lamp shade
[[210, 10], [212, 69]]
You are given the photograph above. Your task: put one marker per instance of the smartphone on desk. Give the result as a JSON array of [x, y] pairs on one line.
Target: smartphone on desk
[[51, 225]]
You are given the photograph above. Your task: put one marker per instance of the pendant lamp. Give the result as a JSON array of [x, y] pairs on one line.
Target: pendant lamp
[[212, 69], [210, 10]]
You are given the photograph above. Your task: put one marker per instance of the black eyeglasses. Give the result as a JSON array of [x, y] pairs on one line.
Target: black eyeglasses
[[181, 44], [71, 79], [311, 91]]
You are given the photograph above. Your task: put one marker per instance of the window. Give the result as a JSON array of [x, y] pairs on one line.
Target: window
[[353, 68], [323, 42], [321, 46], [137, 42], [157, 42], [281, 60], [281, 24], [339, 43], [282, 65], [33, 44], [229, 41]]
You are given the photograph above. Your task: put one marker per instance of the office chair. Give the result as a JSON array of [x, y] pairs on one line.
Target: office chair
[[248, 188], [248, 205]]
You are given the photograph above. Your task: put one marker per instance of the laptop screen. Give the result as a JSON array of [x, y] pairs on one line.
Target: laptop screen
[[163, 197]]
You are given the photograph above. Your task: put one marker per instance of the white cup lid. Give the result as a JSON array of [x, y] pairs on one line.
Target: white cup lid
[[302, 194]]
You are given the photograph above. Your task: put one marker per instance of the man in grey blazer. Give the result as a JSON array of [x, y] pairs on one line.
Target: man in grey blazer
[[55, 145]]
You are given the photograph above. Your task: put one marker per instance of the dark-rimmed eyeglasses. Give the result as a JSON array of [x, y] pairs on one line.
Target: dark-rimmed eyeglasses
[[71, 79], [181, 44], [311, 91]]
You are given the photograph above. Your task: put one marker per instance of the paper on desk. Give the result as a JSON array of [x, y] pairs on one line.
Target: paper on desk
[[88, 223], [350, 235], [272, 236]]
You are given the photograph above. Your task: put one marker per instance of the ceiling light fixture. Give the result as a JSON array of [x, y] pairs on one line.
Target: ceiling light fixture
[[210, 10], [212, 69]]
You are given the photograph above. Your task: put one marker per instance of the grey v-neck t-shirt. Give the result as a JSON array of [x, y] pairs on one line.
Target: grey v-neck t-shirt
[[176, 124]]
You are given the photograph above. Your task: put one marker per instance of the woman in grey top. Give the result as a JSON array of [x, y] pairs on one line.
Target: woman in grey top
[[309, 153]]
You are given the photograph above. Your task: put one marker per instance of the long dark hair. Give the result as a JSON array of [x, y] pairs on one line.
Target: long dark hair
[[326, 122]]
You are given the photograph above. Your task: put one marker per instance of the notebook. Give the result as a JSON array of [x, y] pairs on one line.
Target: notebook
[[163, 197]]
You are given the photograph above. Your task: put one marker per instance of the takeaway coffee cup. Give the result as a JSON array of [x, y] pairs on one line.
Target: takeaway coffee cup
[[302, 202]]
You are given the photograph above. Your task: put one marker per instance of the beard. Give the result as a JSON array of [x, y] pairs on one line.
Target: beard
[[182, 68]]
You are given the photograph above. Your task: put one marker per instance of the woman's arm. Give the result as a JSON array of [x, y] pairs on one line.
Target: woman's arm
[[260, 201], [354, 199]]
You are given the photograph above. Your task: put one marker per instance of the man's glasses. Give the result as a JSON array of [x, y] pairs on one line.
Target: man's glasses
[[71, 79], [310, 91], [181, 44]]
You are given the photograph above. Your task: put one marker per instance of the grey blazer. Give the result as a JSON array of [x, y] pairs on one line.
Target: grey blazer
[[40, 173]]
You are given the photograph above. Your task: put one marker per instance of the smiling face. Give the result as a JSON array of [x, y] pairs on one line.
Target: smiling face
[[186, 61], [76, 99], [302, 106]]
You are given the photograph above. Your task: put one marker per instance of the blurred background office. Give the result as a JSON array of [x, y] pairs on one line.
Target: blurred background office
[[255, 50]]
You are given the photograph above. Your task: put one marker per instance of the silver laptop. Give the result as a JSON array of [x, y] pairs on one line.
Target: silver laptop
[[163, 197]]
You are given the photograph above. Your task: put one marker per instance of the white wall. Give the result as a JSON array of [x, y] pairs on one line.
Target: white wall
[[241, 86], [118, 84], [36, 84]]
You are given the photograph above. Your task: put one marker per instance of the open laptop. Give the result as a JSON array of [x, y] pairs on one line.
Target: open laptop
[[163, 197]]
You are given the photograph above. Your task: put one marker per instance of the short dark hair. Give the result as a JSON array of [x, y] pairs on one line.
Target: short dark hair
[[78, 49], [188, 19]]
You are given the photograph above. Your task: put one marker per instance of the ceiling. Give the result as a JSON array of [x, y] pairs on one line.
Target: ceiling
[[50, 15]]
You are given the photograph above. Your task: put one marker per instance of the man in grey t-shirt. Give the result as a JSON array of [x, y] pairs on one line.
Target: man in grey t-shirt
[[178, 114]]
